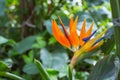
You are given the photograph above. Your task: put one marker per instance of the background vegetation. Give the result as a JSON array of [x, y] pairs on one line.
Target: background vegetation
[[25, 35]]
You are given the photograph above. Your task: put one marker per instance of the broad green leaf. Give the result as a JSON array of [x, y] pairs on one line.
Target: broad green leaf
[[42, 70], [30, 69], [3, 40], [55, 60], [25, 44], [63, 72], [105, 69]]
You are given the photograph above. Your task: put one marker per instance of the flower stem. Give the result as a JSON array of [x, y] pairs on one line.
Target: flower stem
[[115, 6]]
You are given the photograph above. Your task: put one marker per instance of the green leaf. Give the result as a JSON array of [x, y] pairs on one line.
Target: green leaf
[[109, 34], [3, 40], [55, 60], [40, 43], [3, 66], [81, 75], [2, 7], [29, 58], [8, 62], [30, 69], [90, 61], [25, 44], [42, 71], [102, 13], [88, 17], [63, 72], [109, 41], [108, 45], [52, 71], [53, 74], [52, 40], [84, 15], [48, 26], [94, 2], [105, 69]]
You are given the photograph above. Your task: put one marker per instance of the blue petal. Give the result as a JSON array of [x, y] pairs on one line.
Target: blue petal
[[88, 38]]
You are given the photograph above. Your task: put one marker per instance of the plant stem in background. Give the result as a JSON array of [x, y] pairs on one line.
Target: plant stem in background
[[11, 76], [115, 6]]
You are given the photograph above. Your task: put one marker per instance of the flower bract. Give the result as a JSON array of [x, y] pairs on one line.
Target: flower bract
[[72, 39]]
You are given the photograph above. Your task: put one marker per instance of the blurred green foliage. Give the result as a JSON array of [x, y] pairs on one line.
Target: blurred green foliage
[[25, 34]]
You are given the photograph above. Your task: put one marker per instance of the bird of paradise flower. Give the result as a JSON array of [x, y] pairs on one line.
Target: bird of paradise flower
[[77, 44]]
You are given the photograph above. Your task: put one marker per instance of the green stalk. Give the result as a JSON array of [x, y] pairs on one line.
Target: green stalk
[[115, 6], [42, 70], [10, 75], [70, 73]]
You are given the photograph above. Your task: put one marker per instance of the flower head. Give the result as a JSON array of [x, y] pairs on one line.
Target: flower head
[[71, 39]]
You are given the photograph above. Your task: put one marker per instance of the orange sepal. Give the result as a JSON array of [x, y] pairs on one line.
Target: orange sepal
[[59, 36], [89, 31], [73, 33], [82, 32], [71, 22]]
